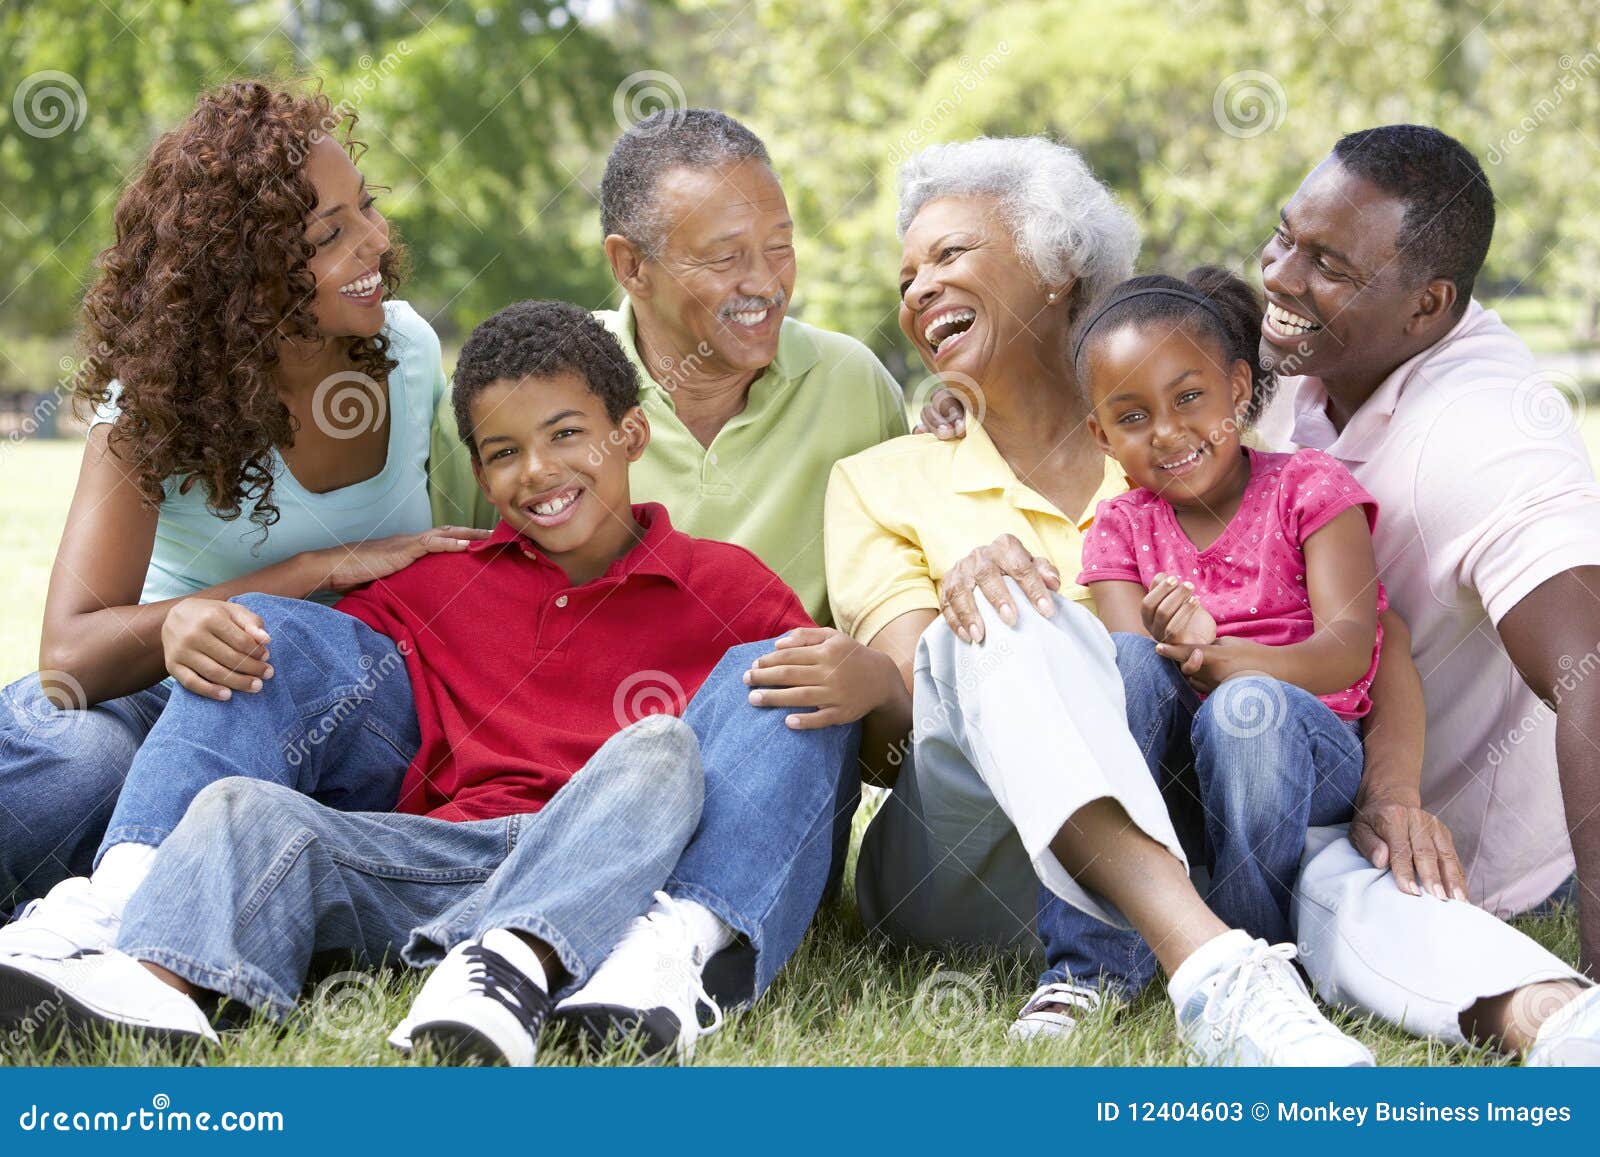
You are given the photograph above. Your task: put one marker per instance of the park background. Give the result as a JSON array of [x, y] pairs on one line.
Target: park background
[[489, 121]]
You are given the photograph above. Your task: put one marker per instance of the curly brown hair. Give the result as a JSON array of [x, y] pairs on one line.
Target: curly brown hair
[[208, 271]]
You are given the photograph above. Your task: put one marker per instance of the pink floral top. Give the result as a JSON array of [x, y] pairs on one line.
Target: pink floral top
[[1253, 578]]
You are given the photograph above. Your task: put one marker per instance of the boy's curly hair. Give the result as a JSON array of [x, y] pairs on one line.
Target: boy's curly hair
[[207, 272], [542, 339]]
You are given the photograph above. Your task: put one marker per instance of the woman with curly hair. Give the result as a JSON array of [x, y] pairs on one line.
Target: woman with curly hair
[[262, 418]]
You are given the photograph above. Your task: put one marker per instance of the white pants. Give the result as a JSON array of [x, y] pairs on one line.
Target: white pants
[[1414, 961], [1010, 738]]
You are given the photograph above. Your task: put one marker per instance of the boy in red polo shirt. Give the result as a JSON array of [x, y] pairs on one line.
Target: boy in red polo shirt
[[548, 792]]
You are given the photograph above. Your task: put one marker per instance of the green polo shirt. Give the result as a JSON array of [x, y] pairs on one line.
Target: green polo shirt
[[762, 481]]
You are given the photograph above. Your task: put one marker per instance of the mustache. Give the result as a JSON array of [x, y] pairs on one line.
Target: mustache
[[751, 304]]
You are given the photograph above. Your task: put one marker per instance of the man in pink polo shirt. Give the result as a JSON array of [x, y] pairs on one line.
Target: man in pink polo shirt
[[1488, 540]]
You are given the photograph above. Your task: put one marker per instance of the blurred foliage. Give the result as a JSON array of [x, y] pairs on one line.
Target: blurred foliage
[[490, 120]]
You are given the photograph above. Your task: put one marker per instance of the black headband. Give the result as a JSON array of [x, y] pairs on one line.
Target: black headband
[[1205, 302]]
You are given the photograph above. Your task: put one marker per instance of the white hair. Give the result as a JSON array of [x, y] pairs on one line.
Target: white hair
[[1064, 223]]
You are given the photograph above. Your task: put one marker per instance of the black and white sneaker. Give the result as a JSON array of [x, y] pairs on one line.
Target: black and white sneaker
[[649, 992], [485, 1002], [42, 996]]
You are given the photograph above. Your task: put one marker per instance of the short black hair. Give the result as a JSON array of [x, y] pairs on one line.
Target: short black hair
[[670, 138], [1449, 218], [540, 339], [1227, 312]]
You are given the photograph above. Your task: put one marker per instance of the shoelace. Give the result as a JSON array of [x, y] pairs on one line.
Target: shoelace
[[506, 984], [1280, 1001], [1061, 993], [669, 925]]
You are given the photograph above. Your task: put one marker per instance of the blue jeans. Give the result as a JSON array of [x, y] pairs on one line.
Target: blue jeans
[[1245, 774], [336, 722], [288, 878], [60, 773]]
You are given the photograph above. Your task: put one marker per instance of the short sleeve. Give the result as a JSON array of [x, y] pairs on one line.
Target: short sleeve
[[876, 569], [788, 614], [891, 404], [1504, 499], [1313, 490], [1108, 546]]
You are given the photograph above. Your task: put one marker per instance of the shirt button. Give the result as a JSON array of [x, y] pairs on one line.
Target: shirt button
[[561, 600], [713, 458]]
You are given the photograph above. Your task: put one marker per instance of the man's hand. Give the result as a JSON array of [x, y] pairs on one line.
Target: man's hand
[[1413, 844], [987, 569], [825, 669], [1206, 667], [1172, 613]]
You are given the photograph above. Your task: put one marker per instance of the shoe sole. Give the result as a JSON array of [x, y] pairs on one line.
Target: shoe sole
[[27, 1000], [602, 1028], [455, 1043]]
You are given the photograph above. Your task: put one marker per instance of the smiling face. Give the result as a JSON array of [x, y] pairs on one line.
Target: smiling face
[[968, 303], [1166, 406], [351, 238], [1342, 304], [556, 467], [725, 274]]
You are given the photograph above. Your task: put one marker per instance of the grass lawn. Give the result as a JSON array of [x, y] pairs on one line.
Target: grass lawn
[[844, 1000]]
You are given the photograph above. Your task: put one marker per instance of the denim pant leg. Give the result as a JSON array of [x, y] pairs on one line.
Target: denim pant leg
[[60, 772], [336, 722], [288, 877], [1078, 948], [588, 863], [1272, 760], [776, 824]]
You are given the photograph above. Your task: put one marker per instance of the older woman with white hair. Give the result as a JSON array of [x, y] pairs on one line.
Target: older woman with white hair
[[1019, 766]]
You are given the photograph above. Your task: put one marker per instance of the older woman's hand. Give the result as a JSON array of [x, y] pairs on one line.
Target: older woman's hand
[[945, 416], [987, 569]]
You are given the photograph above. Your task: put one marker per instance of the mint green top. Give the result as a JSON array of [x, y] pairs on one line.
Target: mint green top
[[195, 549], [762, 481]]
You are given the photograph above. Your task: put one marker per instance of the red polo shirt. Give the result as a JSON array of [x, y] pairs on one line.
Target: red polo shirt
[[519, 676]]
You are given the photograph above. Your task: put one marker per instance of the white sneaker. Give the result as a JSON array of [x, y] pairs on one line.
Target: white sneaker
[[1571, 1037], [485, 1002], [1053, 1010], [73, 917], [1253, 1009], [42, 996], [649, 991]]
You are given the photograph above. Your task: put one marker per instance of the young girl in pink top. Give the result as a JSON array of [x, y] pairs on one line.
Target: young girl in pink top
[[1240, 585]]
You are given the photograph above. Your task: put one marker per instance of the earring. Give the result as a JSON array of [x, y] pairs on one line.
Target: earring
[[1050, 297]]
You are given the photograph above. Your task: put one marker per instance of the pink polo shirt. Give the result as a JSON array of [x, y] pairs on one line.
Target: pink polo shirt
[[1486, 491]]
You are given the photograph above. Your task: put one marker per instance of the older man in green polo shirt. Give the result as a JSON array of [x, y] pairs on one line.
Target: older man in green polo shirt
[[749, 408]]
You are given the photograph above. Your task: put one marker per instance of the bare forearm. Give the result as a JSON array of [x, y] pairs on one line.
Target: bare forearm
[[116, 651], [1579, 764], [1393, 732], [1332, 659], [886, 741]]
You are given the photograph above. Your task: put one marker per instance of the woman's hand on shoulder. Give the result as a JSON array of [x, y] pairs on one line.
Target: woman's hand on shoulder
[[215, 648], [359, 563], [986, 569], [824, 669]]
